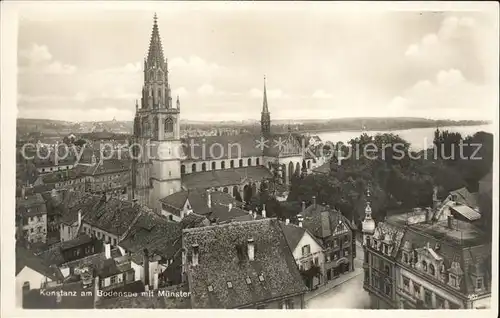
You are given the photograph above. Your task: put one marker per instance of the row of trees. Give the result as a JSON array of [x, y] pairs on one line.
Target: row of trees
[[398, 180]]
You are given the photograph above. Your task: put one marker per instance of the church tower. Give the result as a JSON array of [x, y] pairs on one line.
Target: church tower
[[368, 225], [156, 165], [265, 117]]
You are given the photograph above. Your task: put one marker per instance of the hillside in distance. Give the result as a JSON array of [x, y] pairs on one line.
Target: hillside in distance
[[45, 127]]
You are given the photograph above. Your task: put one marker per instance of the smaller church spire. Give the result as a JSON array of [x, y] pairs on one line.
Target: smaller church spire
[[368, 224], [265, 108], [136, 106], [178, 103]]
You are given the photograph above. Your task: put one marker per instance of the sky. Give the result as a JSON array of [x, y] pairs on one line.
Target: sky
[[85, 64]]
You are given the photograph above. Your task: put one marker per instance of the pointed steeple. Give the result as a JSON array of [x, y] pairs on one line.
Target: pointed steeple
[[368, 224], [265, 108], [265, 117], [155, 53]]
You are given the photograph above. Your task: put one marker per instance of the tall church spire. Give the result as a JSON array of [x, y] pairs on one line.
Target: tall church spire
[[155, 53], [265, 117]]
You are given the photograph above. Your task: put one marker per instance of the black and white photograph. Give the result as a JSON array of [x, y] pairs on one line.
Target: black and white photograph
[[249, 155]]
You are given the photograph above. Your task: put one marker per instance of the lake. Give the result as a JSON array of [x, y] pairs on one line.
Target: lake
[[419, 138]]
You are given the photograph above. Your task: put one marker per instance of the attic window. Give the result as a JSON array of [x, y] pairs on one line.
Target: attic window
[[249, 281], [210, 288], [229, 285], [261, 277]]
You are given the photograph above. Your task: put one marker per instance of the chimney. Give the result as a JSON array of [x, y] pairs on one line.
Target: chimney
[[287, 221], [209, 199], [428, 215], [303, 206], [450, 221], [251, 249], [155, 281], [26, 290], [107, 250], [300, 219], [264, 211], [196, 250], [79, 218], [314, 201], [146, 266]]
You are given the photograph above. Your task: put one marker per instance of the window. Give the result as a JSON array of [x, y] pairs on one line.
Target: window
[[479, 283], [229, 285], [203, 167], [424, 266], [113, 280], [388, 288], [335, 242], [223, 165], [213, 165], [240, 163], [439, 302], [406, 283], [316, 261], [416, 289], [183, 169], [169, 125], [306, 250], [453, 280], [428, 297], [210, 288], [432, 270], [249, 161], [231, 163], [248, 280], [193, 167], [261, 277], [387, 270], [346, 252], [257, 161], [405, 258], [289, 303]]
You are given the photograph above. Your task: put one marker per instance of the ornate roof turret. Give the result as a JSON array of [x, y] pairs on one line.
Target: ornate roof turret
[[368, 223]]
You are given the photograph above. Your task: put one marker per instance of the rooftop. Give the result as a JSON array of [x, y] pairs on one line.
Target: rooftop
[[25, 258], [108, 166], [220, 279], [221, 178], [113, 216]]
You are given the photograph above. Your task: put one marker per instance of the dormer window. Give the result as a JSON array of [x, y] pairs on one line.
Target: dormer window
[[453, 280], [479, 283], [424, 266], [405, 258], [432, 270]]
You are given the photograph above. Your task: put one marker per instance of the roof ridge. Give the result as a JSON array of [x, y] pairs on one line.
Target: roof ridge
[[199, 229]]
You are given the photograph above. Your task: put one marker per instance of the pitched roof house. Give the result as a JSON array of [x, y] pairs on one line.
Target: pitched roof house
[[241, 265]]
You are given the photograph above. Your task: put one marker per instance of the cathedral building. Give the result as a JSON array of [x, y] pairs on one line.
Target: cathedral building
[[164, 163]]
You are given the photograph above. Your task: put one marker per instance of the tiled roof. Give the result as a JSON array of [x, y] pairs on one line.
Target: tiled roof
[[227, 177], [84, 203], [469, 255], [25, 258], [156, 234], [108, 166], [193, 220], [231, 145], [316, 220], [293, 234], [463, 196], [198, 200], [223, 259], [31, 205], [324, 168], [63, 175], [113, 216], [466, 212], [54, 254]]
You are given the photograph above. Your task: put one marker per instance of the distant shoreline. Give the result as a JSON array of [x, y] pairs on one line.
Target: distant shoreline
[[332, 130]]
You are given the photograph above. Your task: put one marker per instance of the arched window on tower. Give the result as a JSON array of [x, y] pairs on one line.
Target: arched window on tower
[[231, 163], [249, 161], [151, 75], [203, 167], [213, 165], [223, 165], [240, 163], [169, 125], [183, 169], [309, 164], [145, 127], [193, 167], [155, 128], [257, 161]]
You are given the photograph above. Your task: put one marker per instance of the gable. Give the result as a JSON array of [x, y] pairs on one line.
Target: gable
[[307, 239]]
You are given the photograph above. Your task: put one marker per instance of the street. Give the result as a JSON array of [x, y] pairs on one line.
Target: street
[[349, 294]]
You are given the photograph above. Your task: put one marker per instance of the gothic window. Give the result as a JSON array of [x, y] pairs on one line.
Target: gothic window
[[146, 127], [155, 129], [193, 167], [203, 167], [213, 166], [432, 270], [406, 283], [169, 125], [387, 270], [479, 283], [405, 257], [151, 75]]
